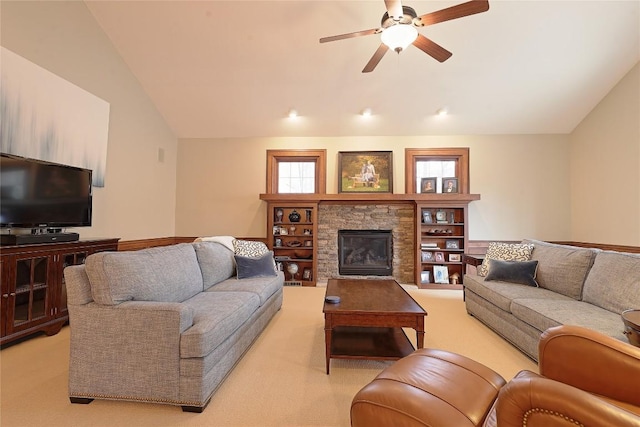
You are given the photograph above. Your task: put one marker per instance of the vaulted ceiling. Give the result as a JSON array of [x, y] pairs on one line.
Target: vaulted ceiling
[[235, 68]]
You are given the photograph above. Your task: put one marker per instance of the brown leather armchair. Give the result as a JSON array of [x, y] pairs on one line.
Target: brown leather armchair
[[585, 379]]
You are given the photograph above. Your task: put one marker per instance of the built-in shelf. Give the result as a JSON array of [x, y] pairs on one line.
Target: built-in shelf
[[455, 206]]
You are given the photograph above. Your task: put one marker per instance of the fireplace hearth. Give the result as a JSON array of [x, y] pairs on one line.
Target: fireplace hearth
[[365, 252]]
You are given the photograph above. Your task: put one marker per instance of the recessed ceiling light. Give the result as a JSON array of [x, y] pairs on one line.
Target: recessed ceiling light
[[293, 114]]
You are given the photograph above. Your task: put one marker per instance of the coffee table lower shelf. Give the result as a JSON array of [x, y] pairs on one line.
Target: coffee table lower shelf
[[351, 342]]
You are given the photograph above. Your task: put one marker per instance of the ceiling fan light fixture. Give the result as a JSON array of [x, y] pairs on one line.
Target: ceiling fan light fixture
[[398, 37]]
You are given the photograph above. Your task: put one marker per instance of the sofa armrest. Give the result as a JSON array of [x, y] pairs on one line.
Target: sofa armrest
[[131, 349], [541, 402], [591, 361]]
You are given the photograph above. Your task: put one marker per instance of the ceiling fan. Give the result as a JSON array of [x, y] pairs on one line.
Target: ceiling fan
[[399, 29]]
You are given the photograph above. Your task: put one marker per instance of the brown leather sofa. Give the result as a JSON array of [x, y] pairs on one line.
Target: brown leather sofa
[[585, 379]]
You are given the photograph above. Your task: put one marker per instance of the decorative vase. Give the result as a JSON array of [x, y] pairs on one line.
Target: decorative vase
[[308, 212], [294, 216]]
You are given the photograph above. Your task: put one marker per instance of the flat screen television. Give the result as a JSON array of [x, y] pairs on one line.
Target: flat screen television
[[39, 194]]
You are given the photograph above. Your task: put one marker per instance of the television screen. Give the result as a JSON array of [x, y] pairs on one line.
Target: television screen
[[35, 193]]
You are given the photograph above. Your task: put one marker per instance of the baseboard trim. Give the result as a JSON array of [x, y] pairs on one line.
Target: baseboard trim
[[135, 245], [603, 246], [478, 247]]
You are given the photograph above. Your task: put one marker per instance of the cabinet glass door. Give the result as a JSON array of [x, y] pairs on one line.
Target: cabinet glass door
[[31, 290], [5, 296]]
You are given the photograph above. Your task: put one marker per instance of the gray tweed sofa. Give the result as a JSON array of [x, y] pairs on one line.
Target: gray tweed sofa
[[163, 325], [577, 286]]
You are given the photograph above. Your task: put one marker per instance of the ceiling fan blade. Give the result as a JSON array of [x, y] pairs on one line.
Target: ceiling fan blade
[[465, 9], [431, 48], [373, 62], [394, 9], [350, 35]]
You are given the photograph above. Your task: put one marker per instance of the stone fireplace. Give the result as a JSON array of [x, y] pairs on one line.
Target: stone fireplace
[[365, 252], [396, 219]]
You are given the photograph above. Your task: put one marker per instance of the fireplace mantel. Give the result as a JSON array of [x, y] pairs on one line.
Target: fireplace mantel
[[371, 198]]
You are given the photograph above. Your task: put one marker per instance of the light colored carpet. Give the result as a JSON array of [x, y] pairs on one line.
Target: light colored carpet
[[281, 381]]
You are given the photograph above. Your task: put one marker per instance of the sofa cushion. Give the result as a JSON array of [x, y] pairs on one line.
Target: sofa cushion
[[503, 293], [264, 287], [562, 268], [522, 272], [145, 275], [260, 266], [505, 252], [217, 315], [544, 314], [216, 262], [614, 281]]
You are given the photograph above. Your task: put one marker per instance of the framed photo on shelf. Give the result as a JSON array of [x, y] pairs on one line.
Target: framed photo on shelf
[[449, 185], [455, 257], [441, 274], [427, 256], [277, 216], [365, 172], [439, 257], [306, 274], [428, 185], [426, 217], [452, 244], [425, 277]]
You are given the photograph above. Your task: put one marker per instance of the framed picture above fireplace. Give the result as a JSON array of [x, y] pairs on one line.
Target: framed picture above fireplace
[[365, 172]]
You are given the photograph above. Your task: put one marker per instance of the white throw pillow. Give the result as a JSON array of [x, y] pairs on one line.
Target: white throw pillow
[[226, 241]]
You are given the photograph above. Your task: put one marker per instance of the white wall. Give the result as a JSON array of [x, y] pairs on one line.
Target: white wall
[[605, 168], [138, 200], [523, 181]]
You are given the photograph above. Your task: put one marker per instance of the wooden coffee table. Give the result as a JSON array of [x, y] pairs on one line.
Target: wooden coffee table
[[367, 322]]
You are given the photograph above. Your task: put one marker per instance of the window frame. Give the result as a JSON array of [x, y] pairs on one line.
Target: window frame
[[275, 157], [458, 155]]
